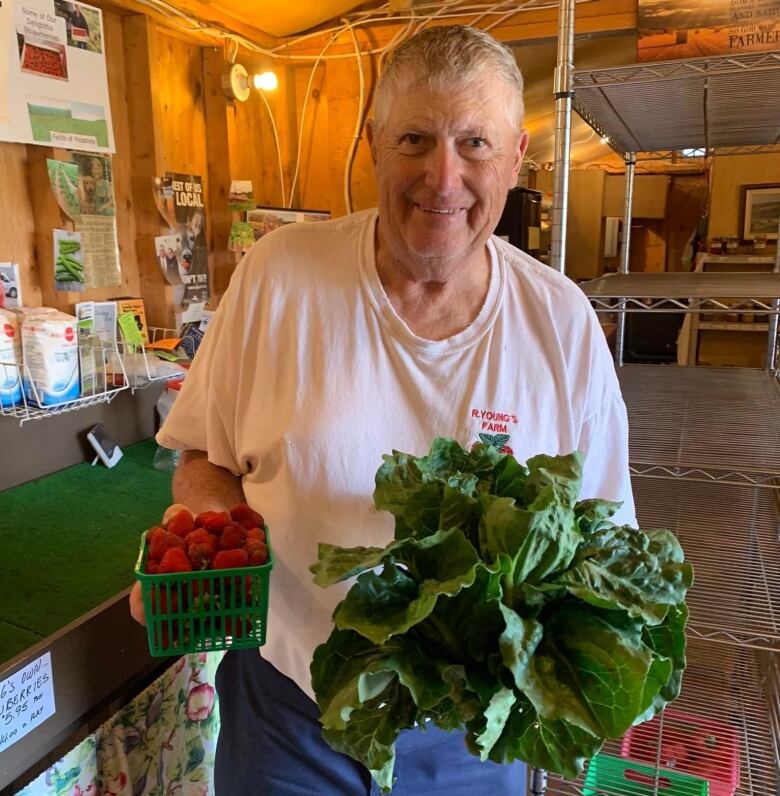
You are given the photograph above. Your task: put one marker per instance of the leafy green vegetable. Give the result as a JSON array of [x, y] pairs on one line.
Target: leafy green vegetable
[[503, 608]]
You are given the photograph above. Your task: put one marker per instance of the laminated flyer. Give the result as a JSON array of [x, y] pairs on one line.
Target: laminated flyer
[[53, 81]]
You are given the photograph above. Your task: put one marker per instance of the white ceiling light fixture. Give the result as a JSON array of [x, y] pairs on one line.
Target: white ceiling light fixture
[[235, 83]]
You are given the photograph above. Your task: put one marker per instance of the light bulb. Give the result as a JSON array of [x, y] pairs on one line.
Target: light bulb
[[265, 81]]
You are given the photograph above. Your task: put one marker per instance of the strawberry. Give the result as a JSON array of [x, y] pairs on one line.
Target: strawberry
[[245, 515], [230, 559], [212, 521], [175, 560], [257, 551], [160, 541], [237, 626], [233, 535], [201, 554], [152, 567], [181, 523], [197, 536], [255, 533]]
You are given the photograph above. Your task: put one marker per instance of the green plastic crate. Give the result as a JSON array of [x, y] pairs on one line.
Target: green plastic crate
[[617, 776], [204, 611]]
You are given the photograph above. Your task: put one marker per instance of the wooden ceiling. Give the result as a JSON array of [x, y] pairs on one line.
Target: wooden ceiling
[[284, 18]]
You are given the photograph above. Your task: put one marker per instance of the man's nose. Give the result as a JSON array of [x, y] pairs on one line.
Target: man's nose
[[443, 169]]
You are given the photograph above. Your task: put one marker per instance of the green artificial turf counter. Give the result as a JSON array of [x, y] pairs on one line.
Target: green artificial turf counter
[[70, 540]]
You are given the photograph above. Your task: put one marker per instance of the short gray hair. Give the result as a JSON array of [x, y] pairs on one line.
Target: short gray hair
[[447, 55]]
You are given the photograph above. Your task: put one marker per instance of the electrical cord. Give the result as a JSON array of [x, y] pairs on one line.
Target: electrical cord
[[358, 124], [278, 148]]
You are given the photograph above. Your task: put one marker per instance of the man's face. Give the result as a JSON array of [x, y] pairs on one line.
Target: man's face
[[444, 163]]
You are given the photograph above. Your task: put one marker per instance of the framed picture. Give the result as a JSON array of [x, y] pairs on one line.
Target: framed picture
[[760, 211], [266, 219]]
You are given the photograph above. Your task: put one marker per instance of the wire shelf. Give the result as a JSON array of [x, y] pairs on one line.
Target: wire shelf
[[680, 292], [723, 422], [104, 388], [697, 103], [734, 693], [139, 366], [730, 535]]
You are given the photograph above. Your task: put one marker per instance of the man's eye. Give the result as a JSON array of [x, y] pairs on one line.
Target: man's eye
[[413, 139], [475, 142]]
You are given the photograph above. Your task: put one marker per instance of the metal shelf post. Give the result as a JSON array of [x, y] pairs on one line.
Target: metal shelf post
[[771, 343], [563, 102], [625, 255]]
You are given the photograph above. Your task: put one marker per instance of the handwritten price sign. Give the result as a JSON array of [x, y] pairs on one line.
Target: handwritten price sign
[[26, 700]]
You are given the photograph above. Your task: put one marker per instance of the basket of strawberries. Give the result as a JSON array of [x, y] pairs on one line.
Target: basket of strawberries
[[204, 581]]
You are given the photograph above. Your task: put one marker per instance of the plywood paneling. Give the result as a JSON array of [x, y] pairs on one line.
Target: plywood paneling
[[17, 223], [650, 191], [584, 228], [728, 174]]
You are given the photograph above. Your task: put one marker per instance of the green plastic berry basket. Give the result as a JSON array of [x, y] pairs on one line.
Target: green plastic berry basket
[[206, 610]]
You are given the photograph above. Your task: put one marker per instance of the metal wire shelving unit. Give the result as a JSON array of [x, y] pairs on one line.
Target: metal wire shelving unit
[[106, 385], [705, 442]]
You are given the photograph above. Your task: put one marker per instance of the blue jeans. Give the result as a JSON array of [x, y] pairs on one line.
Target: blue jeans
[[270, 744]]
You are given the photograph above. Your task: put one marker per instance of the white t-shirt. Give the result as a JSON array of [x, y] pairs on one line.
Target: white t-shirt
[[307, 376]]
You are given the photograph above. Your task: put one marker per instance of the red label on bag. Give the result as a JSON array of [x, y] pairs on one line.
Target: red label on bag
[[8, 330], [69, 334]]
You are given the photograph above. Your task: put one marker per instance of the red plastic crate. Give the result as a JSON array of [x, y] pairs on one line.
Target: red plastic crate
[[695, 744]]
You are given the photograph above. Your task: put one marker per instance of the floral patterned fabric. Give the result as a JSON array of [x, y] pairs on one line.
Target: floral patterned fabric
[[161, 744]]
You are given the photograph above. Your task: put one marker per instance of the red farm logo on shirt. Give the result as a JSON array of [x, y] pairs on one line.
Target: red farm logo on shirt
[[495, 428]]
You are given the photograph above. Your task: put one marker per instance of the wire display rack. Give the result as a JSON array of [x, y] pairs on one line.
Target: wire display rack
[[712, 424], [732, 691], [139, 366], [106, 385]]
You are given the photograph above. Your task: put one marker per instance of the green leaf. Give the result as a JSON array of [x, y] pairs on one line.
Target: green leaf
[[621, 567], [371, 733], [555, 478], [551, 745], [381, 606], [496, 715], [518, 642], [589, 672], [538, 542], [594, 514], [668, 642], [509, 479], [340, 563]]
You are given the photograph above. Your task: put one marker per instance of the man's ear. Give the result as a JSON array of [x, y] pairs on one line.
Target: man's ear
[[371, 137], [522, 148]]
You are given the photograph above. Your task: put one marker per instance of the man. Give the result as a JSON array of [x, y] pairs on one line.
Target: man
[[339, 341]]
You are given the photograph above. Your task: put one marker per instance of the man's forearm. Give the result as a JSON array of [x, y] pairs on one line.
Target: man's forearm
[[202, 486]]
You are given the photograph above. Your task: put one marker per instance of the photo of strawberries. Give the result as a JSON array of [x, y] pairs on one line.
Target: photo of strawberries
[[191, 601]]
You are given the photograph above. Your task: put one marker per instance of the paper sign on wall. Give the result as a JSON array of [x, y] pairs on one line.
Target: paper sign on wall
[[53, 83], [26, 700], [673, 29]]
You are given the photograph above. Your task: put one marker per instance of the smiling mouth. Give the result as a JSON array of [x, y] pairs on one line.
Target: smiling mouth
[[439, 211]]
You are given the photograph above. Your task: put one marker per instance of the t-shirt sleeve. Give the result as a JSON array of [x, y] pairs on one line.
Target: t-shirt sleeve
[[604, 442], [203, 414]]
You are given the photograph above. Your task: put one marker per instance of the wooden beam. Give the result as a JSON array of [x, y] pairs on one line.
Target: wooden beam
[[599, 16], [220, 144], [147, 156], [199, 10]]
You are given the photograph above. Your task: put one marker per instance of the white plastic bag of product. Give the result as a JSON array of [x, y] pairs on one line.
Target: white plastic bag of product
[[51, 358], [10, 360]]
